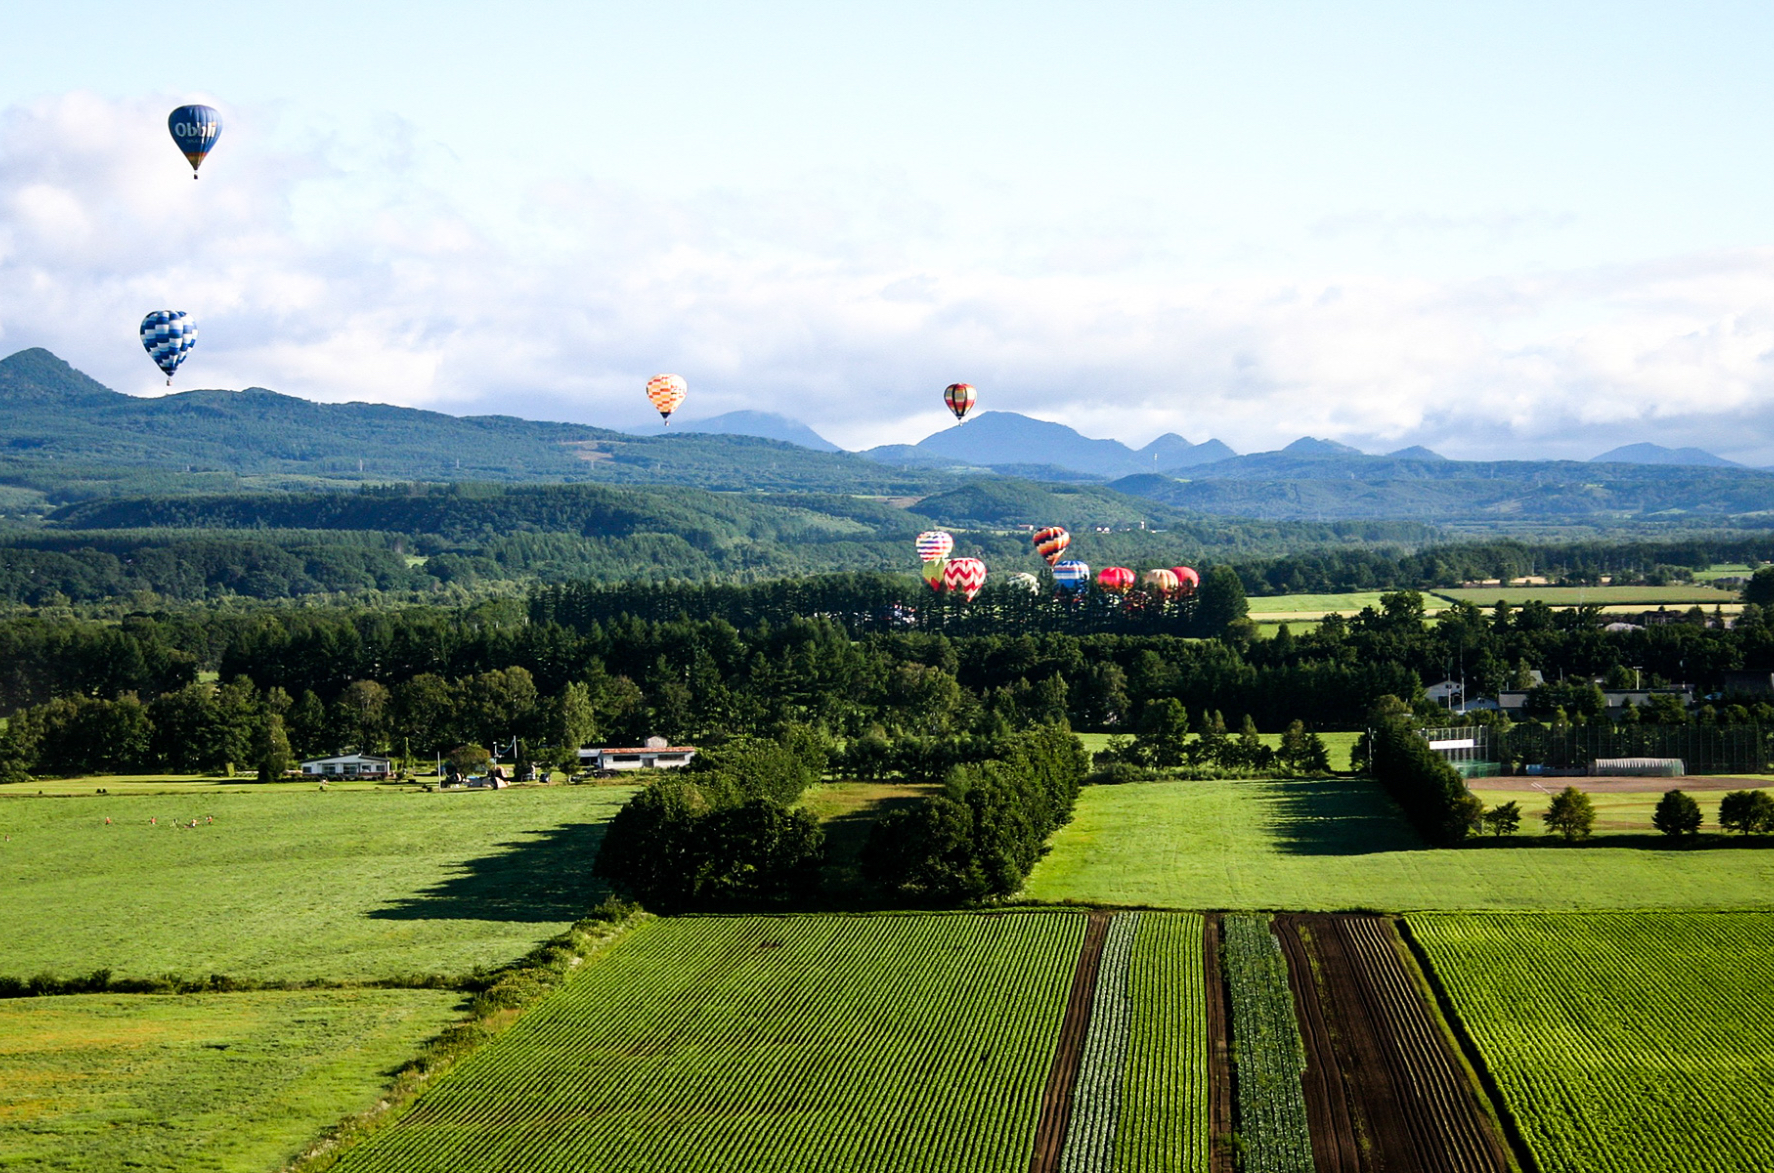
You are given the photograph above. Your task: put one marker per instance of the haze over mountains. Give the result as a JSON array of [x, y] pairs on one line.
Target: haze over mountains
[[64, 437]]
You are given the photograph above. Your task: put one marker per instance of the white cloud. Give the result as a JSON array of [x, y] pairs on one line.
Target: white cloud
[[326, 274]]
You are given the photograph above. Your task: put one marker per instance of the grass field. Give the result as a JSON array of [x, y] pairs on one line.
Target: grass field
[[1621, 1043], [1615, 814], [293, 882], [1340, 844], [881, 1043], [233, 1083], [1651, 596], [1316, 605]]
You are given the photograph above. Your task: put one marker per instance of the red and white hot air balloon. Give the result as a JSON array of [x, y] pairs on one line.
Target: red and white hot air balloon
[[1117, 580], [965, 576], [1051, 542], [934, 572], [959, 397], [1187, 581], [934, 545], [666, 393]]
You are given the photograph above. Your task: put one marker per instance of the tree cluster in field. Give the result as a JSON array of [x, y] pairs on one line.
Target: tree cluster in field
[[1431, 793], [1164, 741], [978, 837]]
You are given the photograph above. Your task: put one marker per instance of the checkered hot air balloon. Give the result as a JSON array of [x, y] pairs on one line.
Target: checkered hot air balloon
[[933, 574], [959, 397], [966, 576], [667, 393], [168, 336], [1160, 582], [1051, 542], [1071, 576], [1187, 581], [934, 545], [1115, 579], [195, 129]]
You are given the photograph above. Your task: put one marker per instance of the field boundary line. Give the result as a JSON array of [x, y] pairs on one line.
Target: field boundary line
[[1068, 1053], [1221, 1092], [1465, 1046]]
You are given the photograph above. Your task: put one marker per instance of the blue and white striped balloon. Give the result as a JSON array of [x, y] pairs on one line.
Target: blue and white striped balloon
[[1071, 576], [168, 336]]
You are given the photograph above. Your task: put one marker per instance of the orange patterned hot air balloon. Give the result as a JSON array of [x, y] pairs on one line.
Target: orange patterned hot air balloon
[[959, 397], [1160, 582], [1051, 542], [1115, 579], [1187, 581], [965, 576], [666, 392]]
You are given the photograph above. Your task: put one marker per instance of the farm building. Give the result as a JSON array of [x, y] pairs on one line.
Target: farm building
[[351, 765], [655, 755]]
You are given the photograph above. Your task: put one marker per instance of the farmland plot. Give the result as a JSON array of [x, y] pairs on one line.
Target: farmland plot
[[1164, 1094], [772, 1043], [1621, 1042]]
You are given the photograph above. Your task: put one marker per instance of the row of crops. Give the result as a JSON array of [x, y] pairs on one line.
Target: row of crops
[[1164, 1089], [1096, 1095], [1267, 1053], [1621, 1042]]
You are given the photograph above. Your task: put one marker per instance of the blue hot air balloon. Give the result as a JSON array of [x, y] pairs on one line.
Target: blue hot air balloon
[[195, 129], [1071, 576], [168, 336]]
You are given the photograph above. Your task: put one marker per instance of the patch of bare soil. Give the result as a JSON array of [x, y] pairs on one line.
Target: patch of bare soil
[[1221, 1158]]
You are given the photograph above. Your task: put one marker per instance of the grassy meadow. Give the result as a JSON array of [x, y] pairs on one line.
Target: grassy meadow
[[1341, 844], [291, 882], [1313, 606], [198, 1083]]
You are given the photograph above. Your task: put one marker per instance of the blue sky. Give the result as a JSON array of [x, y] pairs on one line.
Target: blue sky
[[1498, 229]]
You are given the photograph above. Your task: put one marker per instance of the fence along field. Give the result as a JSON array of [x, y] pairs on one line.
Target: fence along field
[[882, 1043], [1621, 1042]]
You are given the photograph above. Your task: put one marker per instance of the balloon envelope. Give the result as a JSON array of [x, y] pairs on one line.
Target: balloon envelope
[[168, 336], [959, 397], [1114, 578], [195, 129], [1163, 582], [1051, 542], [965, 576], [934, 545], [666, 392], [1071, 576], [933, 574], [1187, 581], [1026, 581]]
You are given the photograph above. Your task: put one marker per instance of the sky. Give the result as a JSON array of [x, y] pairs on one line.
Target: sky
[[1501, 230]]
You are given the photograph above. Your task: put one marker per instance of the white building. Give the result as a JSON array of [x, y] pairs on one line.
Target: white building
[[655, 755], [351, 765]]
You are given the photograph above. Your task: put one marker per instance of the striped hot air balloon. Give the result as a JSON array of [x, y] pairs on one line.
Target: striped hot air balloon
[[967, 576], [195, 129], [168, 336], [1115, 579], [1160, 582], [959, 397], [1071, 576], [667, 393], [1051, 542], [933, 574], [934, 545], [1188, 582]]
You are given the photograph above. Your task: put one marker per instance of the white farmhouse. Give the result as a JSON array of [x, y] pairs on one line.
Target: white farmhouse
[[655, 755], [351, 765]]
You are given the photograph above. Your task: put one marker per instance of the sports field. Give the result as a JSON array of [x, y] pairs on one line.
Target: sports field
[[232, 1083], [294, 883], [1621, 1043], [1340, 844], [771, 1043]]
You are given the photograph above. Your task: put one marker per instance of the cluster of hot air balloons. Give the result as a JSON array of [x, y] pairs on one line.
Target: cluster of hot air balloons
[[968, 575], [169, 335]]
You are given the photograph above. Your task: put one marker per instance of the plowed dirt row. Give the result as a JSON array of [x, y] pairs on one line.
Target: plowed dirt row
[[1219, 1051], [1056, 1101], [1383, 1090]]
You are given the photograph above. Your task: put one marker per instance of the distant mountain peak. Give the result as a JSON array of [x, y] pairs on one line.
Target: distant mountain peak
[[1646, 453], [37, 376], [1008, 440], [1308, 446], [1416, 452], [765, 424]]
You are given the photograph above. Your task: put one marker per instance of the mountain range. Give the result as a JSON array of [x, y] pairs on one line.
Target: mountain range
[[1007, 440]]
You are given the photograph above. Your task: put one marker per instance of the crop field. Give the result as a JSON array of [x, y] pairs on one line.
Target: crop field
[[293, 883], [1621, 1042], [1651, 596], [1340, 844], [882, 1043], [217, 1083], [1164, 1094], [1267, 1048]]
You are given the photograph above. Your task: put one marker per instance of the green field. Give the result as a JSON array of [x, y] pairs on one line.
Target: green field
[[294, 883], [1315, 605], [1163, 1118], [1651, 596], [1340, 844], [1621, 1043], [878, 1043], [224, 1082], [1615, 814]]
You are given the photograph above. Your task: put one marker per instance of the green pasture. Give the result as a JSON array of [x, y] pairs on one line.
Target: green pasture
[[1316, 605], [766, 1043], [229, 1083], [1632, 1043], [1341, 844], [291, 882], [1650, 596], [1615, 814], [1725, 570]]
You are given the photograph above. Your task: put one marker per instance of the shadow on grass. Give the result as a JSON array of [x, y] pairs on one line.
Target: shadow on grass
[[1337, 816], [545, 877]]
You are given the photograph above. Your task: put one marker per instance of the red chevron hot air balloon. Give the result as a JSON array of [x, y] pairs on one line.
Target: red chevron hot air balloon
[[1051, 542], [966, 576], [959, 397], [1187, 581], [1115, 579]]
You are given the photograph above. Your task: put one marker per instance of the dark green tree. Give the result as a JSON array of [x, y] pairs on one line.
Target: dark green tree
[[1571, 814], [1502, 820], [1677, 815], [1747, 812]]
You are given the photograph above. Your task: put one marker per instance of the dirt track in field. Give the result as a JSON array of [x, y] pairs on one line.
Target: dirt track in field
[[1219, 1053], [1384, 1092], [1056, 1101]]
